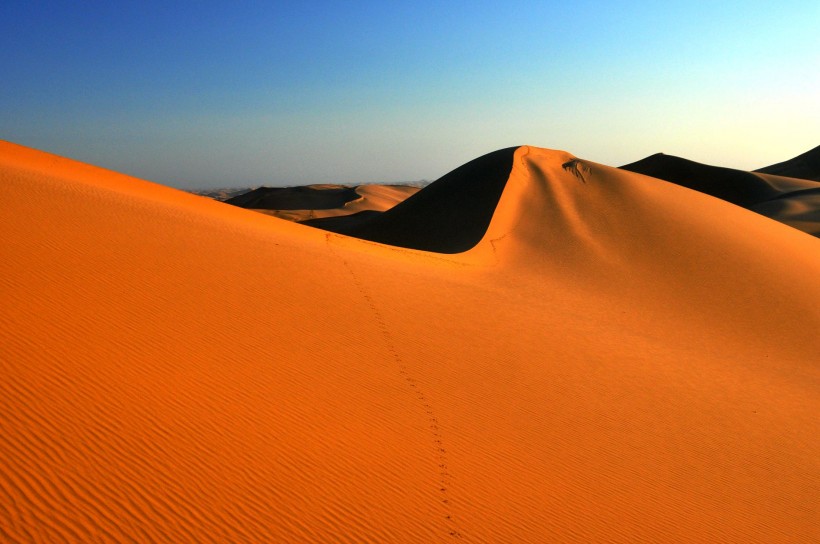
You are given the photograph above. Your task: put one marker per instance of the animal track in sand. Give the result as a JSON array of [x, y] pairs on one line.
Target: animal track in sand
[[432, 420]]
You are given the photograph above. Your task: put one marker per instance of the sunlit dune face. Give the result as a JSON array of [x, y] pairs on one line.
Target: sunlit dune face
[[609, 358]]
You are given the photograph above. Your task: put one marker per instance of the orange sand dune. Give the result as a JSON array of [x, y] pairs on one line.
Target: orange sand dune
[[792, 201], [321, 201], [618, 359]]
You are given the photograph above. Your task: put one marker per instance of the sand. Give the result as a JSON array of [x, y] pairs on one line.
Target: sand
[[806, 166], [616, 359], [450, 216], [322, 201], [793, 201]]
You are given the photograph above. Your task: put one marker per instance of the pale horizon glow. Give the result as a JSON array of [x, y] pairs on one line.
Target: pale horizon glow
[[221, 96]]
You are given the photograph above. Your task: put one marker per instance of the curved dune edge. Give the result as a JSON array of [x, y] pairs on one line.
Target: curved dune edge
[[805, 166], [618, 359], [371, 198], [449, 216], [317, 197], [790, 200]]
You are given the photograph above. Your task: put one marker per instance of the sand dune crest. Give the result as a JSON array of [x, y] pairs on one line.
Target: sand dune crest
[[805, 166], [792, 201], [449, 216]]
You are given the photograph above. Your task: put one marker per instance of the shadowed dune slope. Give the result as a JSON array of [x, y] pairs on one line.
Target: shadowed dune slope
[[805, 166], [618, 359], [308, 197], [798, 209], [222, 193], [369, 198], [448, 216], [791, 201], [735, 186]]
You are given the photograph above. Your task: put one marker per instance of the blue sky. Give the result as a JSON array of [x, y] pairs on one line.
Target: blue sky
[[244, 93]]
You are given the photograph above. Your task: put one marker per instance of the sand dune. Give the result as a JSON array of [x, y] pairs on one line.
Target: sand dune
[[798, 209], [615, 359], [315, 197], [805, 166], [222, 193], [793, 201], [449, 216], [321, 201]]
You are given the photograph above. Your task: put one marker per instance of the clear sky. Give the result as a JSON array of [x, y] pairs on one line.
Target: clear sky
[[207, 94]]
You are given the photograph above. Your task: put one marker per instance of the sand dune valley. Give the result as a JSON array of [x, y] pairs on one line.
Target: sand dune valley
[[533, 348]]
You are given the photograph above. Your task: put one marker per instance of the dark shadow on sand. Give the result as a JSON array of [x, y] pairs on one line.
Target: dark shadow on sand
[[450, 215], [308, 197]]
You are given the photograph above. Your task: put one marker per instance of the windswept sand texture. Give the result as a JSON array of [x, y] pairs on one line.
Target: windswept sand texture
[[793, 201], [618, 359]]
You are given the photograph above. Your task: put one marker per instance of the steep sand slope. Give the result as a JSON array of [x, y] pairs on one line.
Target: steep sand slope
[[449, 216], [792, 201], [805, 166], [619, 359]]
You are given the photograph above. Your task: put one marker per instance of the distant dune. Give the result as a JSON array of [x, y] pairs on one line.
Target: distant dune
[[221, 194], [615, 358], [308, 197], [805, 166], [319, 201], [793, 201]]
